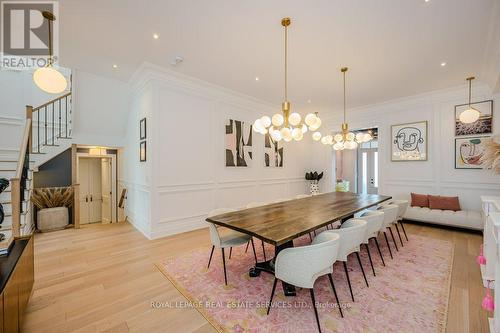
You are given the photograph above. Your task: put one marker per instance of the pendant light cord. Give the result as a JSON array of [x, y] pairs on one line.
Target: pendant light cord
[[470, 90], [286, 64], [50, 42], [344, 96]]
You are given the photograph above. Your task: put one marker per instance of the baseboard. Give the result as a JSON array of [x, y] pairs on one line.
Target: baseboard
[[444, 226]]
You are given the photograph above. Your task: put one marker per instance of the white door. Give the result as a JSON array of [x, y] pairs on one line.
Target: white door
[[107, 191], [367, 170], [89, 177], [83, 179]]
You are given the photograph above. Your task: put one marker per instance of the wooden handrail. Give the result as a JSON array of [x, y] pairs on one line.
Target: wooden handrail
[[24, 146], [52, 101]]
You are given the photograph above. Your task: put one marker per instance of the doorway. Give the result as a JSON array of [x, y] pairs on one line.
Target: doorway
[[96, 177], [367, 178]]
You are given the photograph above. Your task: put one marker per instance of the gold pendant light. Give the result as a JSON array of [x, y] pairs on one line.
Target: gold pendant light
[[285, 125], [346, 139], [48, 78], [470, 115]]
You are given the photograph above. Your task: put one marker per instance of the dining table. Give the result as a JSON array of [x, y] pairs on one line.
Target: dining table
[[280, 223]]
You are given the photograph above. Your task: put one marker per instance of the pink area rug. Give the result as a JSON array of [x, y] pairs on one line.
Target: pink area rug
[[410, 294]]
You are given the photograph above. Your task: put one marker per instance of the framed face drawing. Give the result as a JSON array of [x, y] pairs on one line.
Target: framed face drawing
[[409, 142], [468, 152]]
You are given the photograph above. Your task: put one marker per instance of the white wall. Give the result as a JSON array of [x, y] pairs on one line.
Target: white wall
[[186, 120], [437, 175]]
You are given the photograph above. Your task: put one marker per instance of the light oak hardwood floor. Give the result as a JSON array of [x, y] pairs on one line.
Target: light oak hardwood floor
[[102, 278]]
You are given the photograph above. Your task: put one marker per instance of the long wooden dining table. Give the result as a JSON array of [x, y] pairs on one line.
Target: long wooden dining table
[[282, 222]]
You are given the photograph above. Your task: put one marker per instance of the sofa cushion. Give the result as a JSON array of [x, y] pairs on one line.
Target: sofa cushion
[[419, 200], [444, 203]]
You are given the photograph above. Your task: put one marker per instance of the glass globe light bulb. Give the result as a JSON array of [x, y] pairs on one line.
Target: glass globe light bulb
[[338, 137], [294, 119], [278, 120], [316, 136], [286, 134], [350, 136], [304, 128], [469, 116], [360, 137], [324, 140], [257, 126], [367, 137], [276, 135], [266, 121], [310, 119]]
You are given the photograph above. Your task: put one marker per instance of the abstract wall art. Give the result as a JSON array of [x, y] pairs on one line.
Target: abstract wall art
[[273, 153], [469, 151], [484, 125], [238, 144], [409, 142]]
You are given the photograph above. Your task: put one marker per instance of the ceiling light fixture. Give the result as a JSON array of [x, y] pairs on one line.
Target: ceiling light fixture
[[115, 66], [470, 115], [443, 64], [48, 78], [156, 36], [285, 125], [346, 139], [256, 78]]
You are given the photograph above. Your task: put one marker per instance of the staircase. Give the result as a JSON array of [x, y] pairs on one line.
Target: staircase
[[47, 130]]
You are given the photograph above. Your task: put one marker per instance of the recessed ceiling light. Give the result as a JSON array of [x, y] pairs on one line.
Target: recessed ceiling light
[[443, 64], [309, 101], [257, 78], [156, 36], [115, 66], [427, 0]]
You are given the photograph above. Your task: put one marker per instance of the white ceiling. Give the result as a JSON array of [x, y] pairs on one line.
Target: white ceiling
[[393, 48]]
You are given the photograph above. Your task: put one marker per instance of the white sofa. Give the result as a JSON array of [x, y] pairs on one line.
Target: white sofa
[[468, 219]]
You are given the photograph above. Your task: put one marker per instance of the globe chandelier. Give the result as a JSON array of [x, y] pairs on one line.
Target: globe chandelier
[[285, 125], [345, 139], [470, 115], [48, 78]]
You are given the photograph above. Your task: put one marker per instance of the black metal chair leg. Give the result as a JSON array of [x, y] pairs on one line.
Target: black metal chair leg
[[253, 248], [246, 249], [399, 234], [224, 264], [272, 294], [393, 239], [348, 280], [379, 252], [315, 309], [335, 293], [404, 231], [211, 253], [370, 257], [230, 252], [264, 251], [362, 269], [388, 246], [310, 237]]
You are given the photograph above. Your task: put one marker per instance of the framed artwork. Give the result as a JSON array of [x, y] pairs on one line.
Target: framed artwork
[[484, 125], [409, 142], [273, 153], [142, 151], [468, 152], [238, 144], [142, 129]]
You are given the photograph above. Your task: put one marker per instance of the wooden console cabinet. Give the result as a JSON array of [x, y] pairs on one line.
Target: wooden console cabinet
[[16, 282]]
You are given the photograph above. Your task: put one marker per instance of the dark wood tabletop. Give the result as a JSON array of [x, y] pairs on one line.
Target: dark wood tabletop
[[282, 222]]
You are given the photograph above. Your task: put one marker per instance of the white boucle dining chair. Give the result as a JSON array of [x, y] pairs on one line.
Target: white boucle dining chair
[[403, 207], [390, 217], [228, 239], [302, 266], [352, 234], [374, 221], [253, 205]]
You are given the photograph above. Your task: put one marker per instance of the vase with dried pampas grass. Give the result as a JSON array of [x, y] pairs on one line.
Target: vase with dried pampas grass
[[491, 155], [50, 197]]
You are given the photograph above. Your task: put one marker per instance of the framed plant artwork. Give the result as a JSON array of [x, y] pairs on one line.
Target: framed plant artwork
[[409, 142], [142, 151], [484, 125], [468, 152], [142, 129]]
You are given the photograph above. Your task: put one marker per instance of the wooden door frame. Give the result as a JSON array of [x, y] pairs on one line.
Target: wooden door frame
[[114, 183]]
